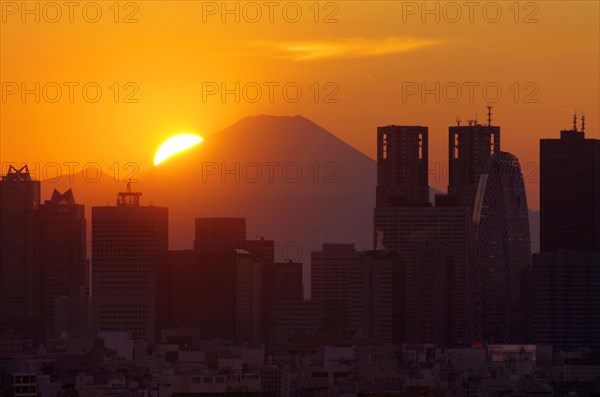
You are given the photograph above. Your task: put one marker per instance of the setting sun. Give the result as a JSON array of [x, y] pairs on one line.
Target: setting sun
[[175, 145]]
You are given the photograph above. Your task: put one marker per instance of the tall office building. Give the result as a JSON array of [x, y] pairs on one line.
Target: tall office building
[[570, 192], [502, 253], [566, 296], [220, 287], [407, 230], [370, 295], [61, 252], [566, 274], [19, 273], [282, 281], [219, 233], [129, 241], [405, 220], [469, 148], [359, 283], [433, 309], [249, 300], [402, 159], [219, 293], [329, 272]]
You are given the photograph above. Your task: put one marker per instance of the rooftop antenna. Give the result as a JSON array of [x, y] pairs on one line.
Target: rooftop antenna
[[458, 120], [476, 117], [128, 198], [489, 108], [582, 122], [575, 121]]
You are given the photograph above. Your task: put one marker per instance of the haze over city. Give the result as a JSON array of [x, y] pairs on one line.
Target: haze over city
[[300, 199]]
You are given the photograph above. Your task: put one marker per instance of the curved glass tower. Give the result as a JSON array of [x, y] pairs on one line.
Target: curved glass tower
[[502, 253]]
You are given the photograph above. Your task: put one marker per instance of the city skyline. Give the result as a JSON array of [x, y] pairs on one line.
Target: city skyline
[[363, 198], [409, 47]]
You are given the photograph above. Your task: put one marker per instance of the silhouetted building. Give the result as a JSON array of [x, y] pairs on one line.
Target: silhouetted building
[[370, 295], [469, 148], [249, 300], [281, 282], [219, 233], [72, 313], [502, 253], [360, 283], [222, 286], [570, 193], [179, 285], [434, 277], [566, 297], [220, 293], [307, 321], [261, 250], [329, 272], [405, 231], [61, 252], [19, 271], [402, 172], [129, 241]]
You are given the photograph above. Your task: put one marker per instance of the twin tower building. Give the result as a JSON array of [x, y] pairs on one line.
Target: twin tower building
[[464, 260]]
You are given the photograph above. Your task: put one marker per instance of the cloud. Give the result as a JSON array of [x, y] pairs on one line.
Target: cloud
[[347, 48]]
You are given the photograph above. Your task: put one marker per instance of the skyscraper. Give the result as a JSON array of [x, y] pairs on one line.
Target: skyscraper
[[129, 241], [435, 307], [359, 283], [61, 251], [281, 282], [19, 273], [402, 160], [566, 282], [370, 295], [219, 233], [502, 252], [566, 296], [406, 231], [405, 220], [329, 272], [469, 148], [249, 300], [570, 192]]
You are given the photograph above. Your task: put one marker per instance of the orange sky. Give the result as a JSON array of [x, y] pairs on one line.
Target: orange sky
[[370, 52]]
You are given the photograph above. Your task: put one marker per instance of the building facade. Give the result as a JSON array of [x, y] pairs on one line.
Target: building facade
[[129, 242]]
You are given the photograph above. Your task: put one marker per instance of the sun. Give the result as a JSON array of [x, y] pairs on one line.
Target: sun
[[175, 145]]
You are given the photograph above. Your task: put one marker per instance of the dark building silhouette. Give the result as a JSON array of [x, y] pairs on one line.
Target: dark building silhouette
[[407, 231], [218, 233], [359, 283], [19, 271], [566, 274], [217, 293], [249, 298], [436, 299], [404, 220], [566, 296], [402, 160], [402, 182], [282, 281], [261, 250], [502, 253], [308, 321], [469, 148], [570, 192], [61, 252], [129, 242], [370, 295], [227, 286]]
